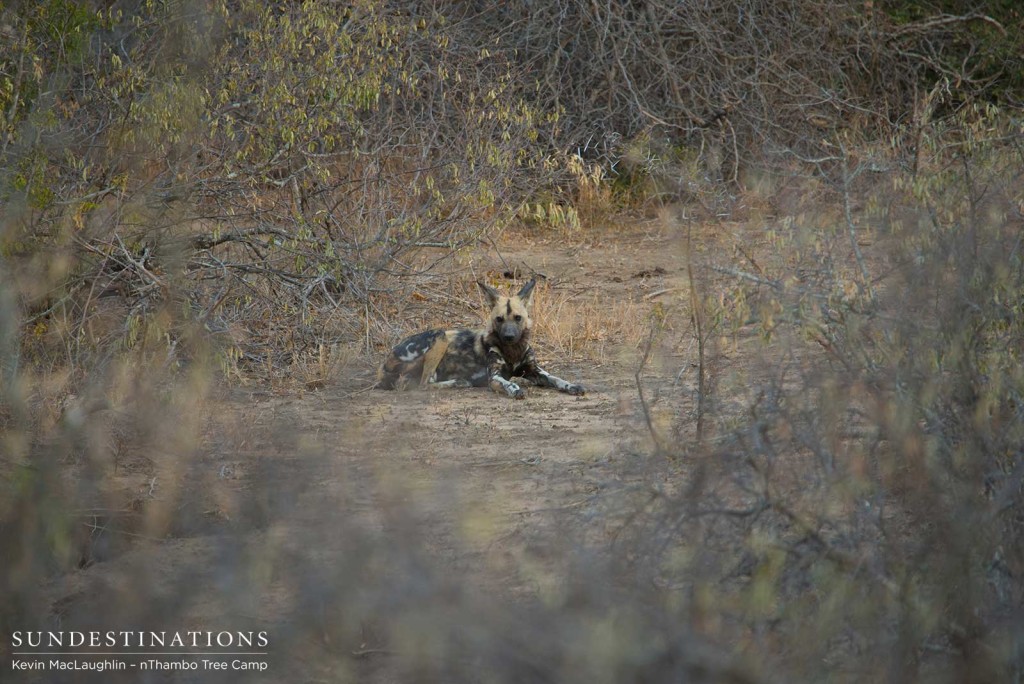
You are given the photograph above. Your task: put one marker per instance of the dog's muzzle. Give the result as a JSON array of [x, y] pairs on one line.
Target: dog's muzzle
[[509, 332]]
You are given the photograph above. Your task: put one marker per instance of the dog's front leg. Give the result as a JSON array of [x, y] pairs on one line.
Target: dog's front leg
[[497, 381], [541, 378], [559, 384], [503, 386]]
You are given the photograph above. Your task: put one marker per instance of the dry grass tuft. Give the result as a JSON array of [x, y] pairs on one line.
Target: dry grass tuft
[[320, 367], [576, 328]]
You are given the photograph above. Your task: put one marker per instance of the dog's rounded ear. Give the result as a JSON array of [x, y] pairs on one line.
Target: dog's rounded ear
[[527, 291], [492, 295]]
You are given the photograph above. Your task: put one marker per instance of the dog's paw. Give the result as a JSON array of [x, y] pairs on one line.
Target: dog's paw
[[576, 390], [516, 392]]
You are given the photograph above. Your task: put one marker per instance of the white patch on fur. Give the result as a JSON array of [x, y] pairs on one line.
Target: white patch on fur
[[511, 388]]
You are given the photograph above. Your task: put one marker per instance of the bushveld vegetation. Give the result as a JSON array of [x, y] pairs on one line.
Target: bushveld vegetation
[[205, 194]]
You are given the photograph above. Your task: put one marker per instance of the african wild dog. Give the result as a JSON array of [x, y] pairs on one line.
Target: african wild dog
[[475, 358]]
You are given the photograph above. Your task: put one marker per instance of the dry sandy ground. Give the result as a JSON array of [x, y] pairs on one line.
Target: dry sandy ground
[[351, 523]]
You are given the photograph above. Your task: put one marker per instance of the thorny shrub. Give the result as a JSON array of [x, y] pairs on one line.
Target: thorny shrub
[[874, 470], [278, 175], [272, 173]]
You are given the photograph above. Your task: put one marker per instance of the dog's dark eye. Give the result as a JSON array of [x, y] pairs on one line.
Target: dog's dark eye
[[500, 319], [518, 317]]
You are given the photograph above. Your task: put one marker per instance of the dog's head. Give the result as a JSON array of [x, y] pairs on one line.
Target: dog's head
[[509, 318]]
